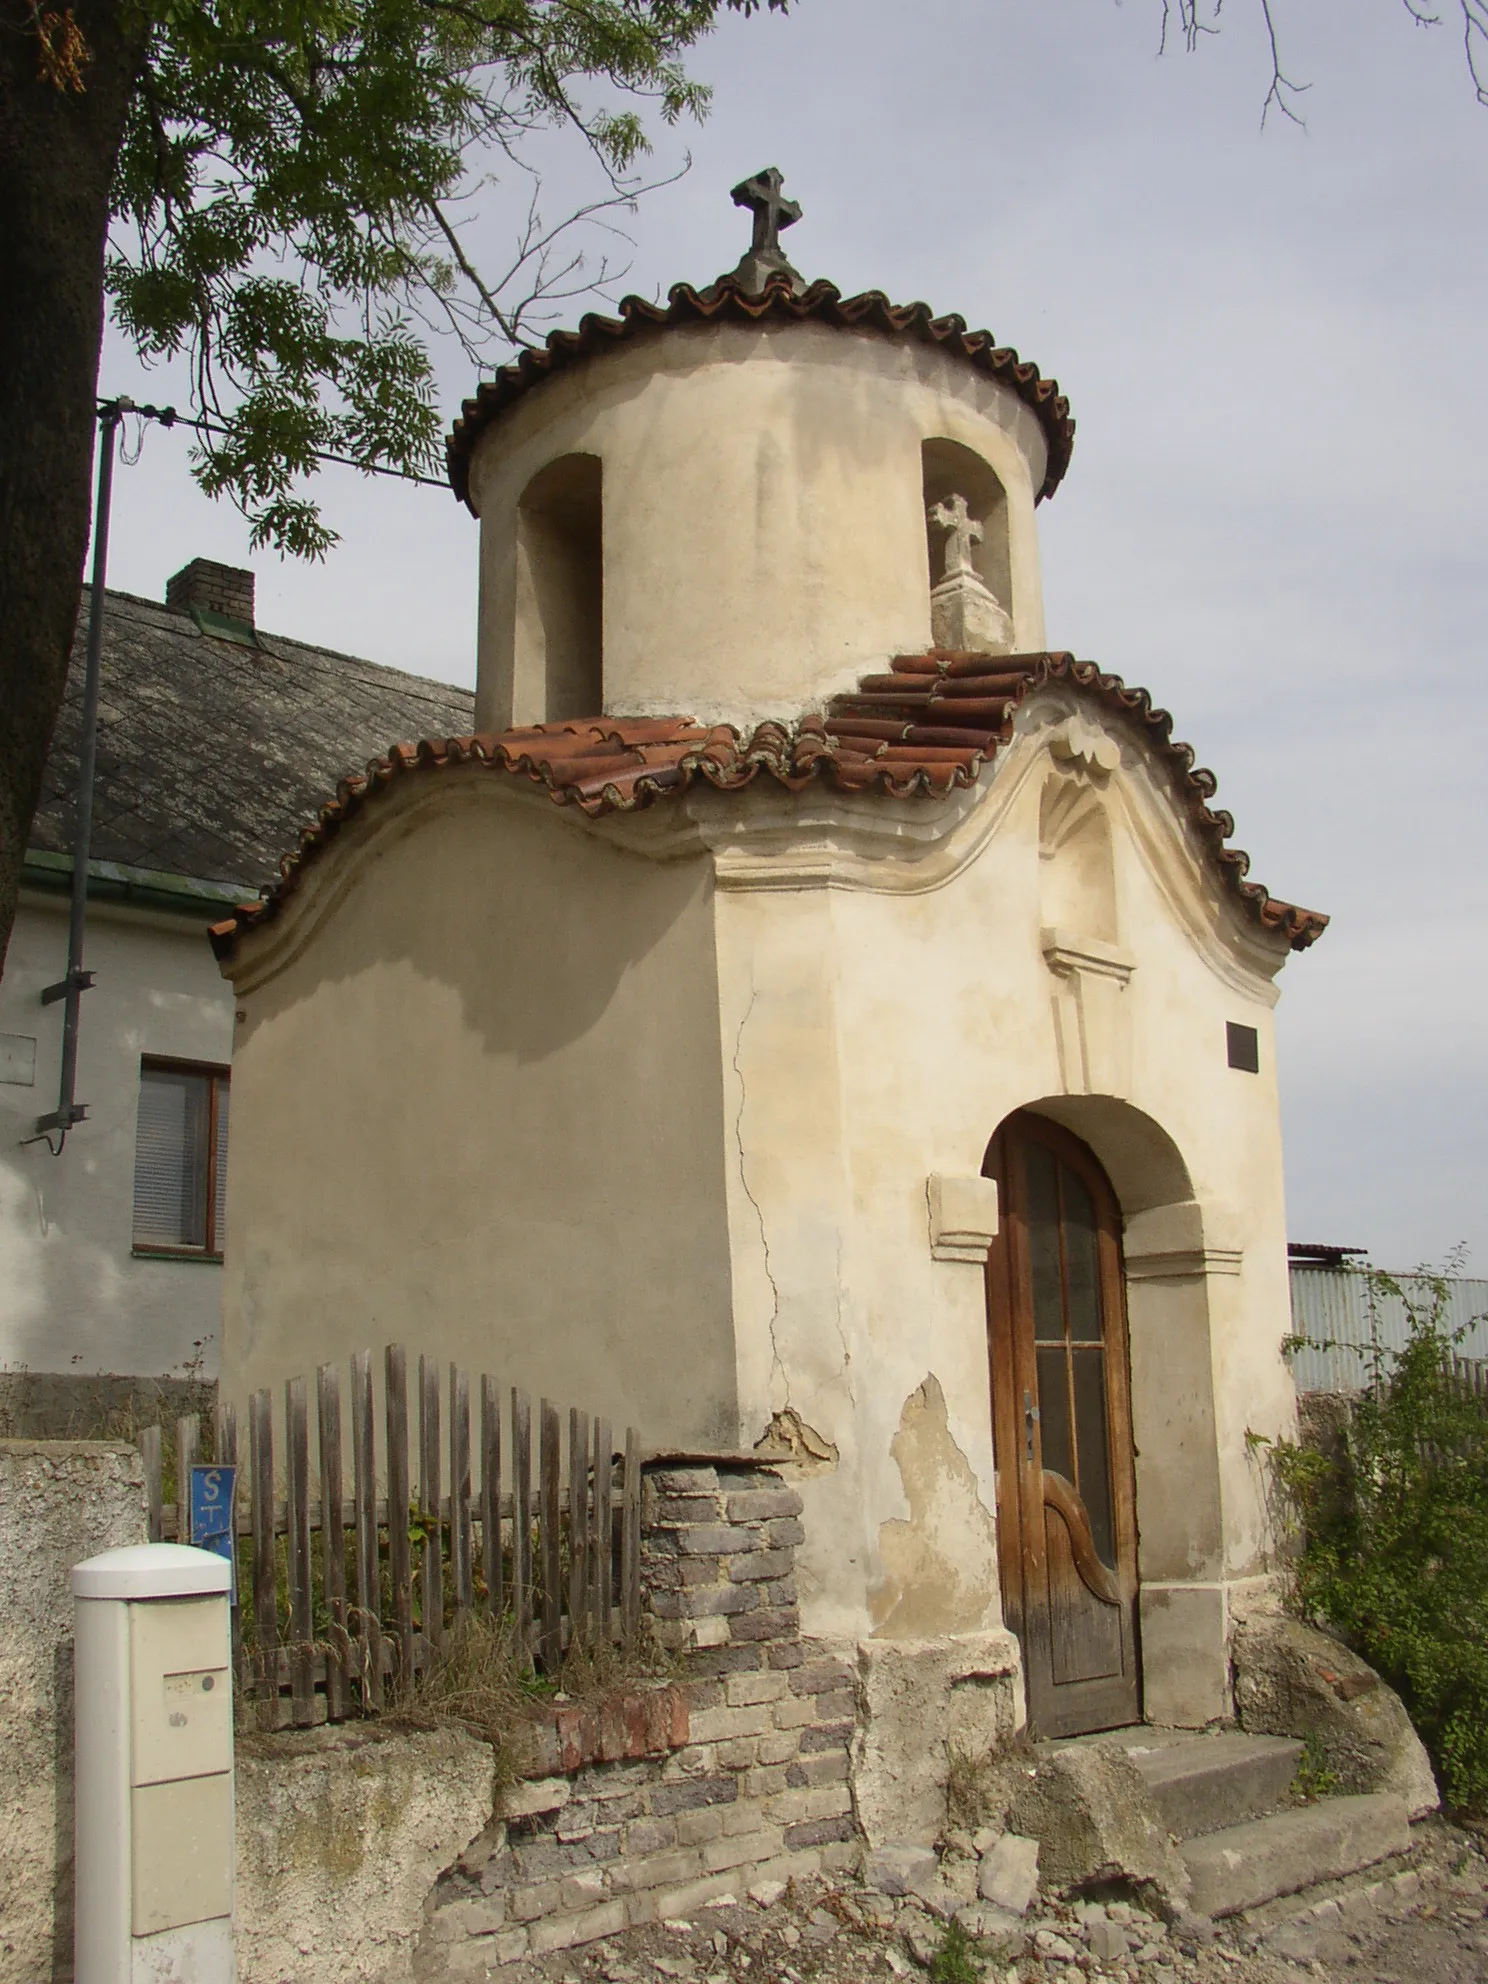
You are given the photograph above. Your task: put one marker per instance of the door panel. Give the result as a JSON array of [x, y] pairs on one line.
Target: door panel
[[1062, 1428]]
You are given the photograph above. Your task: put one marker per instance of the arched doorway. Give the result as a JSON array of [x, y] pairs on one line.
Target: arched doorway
[[1062, 1429]]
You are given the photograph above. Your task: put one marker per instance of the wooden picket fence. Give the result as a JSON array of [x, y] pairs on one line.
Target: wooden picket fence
[[346, 1628]]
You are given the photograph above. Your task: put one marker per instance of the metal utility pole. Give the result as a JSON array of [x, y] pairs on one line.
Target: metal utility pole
[[77, 981]]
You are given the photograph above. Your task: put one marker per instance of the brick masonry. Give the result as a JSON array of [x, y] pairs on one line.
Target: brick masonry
[[668, 1798]]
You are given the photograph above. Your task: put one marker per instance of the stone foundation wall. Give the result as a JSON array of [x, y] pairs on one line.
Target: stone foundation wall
[[747, 1779], [60, 1501]]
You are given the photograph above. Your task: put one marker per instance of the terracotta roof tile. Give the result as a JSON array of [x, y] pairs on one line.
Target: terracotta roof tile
[[930, 737], [726, 302]]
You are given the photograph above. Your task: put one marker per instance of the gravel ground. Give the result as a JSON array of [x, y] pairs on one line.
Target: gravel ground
[[1422, 1922]]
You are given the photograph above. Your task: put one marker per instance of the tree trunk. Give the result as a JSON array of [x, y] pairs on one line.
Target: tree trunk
[[57, 154]]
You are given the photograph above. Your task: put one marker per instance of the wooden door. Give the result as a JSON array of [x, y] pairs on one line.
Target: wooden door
[[1061, 1392]]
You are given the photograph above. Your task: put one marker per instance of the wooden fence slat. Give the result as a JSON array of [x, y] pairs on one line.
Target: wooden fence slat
[[578, 1527], [265, 1581], [400, 1559], [188, 1444], [550, 1470], [522, 1522], [301, 1610], [225, 1453], [490, 1439], [630, 1540], [429, 1499], [460, 1569], [332, 1538], [364, 1520], [149, 1450], [604, 1531]]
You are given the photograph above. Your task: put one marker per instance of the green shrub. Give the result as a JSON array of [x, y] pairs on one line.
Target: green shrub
[[954, 1961], [1392, 1537]]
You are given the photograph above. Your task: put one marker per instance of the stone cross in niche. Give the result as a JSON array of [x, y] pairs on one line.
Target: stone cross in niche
[[962, 532], [771, 209]]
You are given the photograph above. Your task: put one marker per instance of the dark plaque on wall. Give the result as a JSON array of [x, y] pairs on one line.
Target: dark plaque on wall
[[1243, 1044]]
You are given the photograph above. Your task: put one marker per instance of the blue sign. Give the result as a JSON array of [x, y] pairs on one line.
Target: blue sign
[[213, 1501]]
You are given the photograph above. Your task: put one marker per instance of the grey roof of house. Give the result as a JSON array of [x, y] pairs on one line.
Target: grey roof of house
[[211, 755]]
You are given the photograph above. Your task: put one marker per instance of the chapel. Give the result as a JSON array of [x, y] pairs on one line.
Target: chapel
[[808, 1012]]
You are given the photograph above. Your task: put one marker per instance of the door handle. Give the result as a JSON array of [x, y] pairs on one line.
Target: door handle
[[1030, 1420]]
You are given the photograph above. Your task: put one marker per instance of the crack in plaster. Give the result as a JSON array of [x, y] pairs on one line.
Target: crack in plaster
[[777, 1363]]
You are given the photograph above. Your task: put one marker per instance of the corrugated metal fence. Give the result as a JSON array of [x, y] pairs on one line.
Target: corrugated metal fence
[[1334, 1309]]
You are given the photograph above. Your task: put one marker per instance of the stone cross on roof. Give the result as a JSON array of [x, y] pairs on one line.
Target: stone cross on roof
[[962, 532], [772, 211]]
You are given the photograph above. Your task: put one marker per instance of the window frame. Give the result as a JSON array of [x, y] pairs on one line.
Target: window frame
[[218, 1076]]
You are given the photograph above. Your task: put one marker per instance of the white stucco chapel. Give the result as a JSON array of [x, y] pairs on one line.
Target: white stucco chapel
[[809, 1016]]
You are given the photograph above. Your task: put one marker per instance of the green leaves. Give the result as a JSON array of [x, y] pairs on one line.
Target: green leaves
[[289, 210], [1394, 1538]]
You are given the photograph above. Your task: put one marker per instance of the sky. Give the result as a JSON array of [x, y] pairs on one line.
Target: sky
[[1271, 341]]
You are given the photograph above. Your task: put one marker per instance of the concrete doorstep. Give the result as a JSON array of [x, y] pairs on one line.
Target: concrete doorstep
[[1244, 1865]]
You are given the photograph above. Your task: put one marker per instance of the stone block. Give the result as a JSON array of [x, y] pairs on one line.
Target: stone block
[[1088, 1808], [744, 1848], [584, 1890], [1109, 1942], [693, 1828], [819, 1802], [764, 1624], [690, 1796], [672, 1903], [740, 1754], [792, 1653], [529, 1904], [656, 1870], [714, 1539], [900, 1867], [919, 1698], [830, 1767], [718, 1725], [758, 1566], [681, 1481], [744, 1690], [687, 1510], [649, 1836], [830, 1736], [721, 1661], [784, 1535], [562, 1932], [535, 1796], [766, 1780], [1186, 1675], [1247, 1864], [1007, 1875], [840, 1856], [821, 1678], [794, 1712], [1291, 1680], [758, 1504], [781, 1746], [821, 1832]]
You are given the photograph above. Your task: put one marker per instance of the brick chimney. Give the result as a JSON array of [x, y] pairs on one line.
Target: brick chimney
[[202, 586]]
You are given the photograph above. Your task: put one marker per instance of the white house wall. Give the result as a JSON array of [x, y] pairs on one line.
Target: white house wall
[[73, 1297]]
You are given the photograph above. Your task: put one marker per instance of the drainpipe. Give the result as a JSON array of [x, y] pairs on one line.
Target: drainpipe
[[77, 981]]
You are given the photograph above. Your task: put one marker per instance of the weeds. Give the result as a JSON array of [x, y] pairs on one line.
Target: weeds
[[1313, 1780], [1390, 1536], [955, 1959]]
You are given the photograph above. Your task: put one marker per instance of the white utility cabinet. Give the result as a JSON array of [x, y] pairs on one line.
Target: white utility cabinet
[[154, 1784]]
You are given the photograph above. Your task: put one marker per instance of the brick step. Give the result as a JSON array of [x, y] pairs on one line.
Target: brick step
[[1244, 1865]]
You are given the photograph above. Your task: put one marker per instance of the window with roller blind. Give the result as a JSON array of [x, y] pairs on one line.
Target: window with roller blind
[[180, 1159]]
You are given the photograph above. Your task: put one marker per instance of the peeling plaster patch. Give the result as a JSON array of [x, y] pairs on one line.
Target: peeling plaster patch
[[789, 1438], [939, 1566]]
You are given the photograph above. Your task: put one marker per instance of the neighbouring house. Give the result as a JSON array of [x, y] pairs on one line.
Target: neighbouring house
[[810, 1012], [216, 743]]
